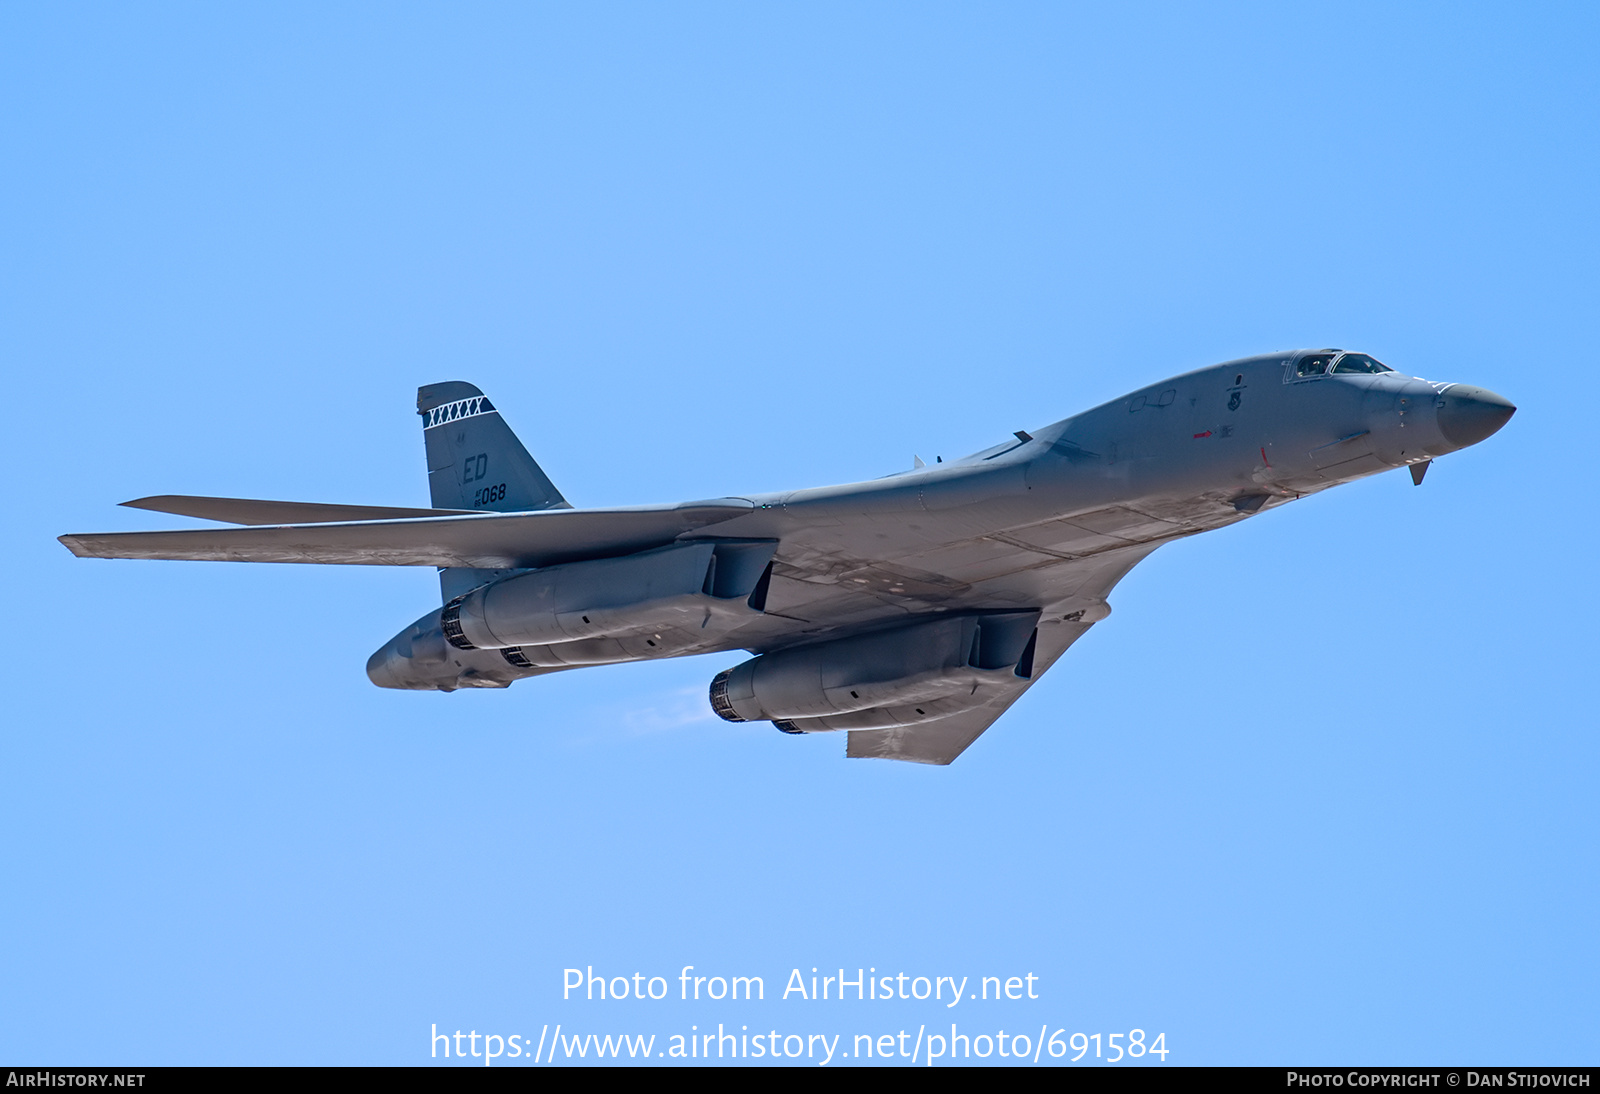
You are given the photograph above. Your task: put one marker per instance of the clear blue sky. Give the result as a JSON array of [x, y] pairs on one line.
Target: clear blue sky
[[1322, 790]]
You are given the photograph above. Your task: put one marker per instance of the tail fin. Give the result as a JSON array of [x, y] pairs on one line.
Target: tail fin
[[475, 462]]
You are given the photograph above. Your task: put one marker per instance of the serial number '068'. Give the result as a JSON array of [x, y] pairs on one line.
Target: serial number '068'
[[489, 495], [1135, 1045]]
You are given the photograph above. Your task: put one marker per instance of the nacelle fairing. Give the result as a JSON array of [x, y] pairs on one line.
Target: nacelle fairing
[[890, 678], [419, 659], [682, 584], [655, 603]]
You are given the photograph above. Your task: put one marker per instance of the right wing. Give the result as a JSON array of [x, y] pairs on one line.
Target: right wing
[[941, 741], [484, 540]]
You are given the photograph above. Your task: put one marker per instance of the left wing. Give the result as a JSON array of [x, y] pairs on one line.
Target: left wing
[[489, 540]]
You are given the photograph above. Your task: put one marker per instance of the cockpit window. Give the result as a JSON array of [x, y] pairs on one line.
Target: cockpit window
[[1360, 362], [1313, 364]]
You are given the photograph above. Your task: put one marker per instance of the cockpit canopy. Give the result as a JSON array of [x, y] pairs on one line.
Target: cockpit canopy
[[1323, 362], [1359, 362]]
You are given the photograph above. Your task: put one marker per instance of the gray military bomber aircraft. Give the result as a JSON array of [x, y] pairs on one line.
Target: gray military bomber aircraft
[[909, 611]]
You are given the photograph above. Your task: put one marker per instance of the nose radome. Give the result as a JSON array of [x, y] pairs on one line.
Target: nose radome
[[1470, 414]]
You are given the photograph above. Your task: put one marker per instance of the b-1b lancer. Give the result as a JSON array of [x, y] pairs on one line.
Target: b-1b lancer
[[909, 611]]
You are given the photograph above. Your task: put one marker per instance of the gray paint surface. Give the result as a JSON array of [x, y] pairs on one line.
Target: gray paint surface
[[1045, 523]]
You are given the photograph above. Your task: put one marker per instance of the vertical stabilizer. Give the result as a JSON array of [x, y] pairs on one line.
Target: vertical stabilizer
[[476, 462]]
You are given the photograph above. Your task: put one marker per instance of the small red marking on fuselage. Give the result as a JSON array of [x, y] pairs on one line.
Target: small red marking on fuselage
[[1264, 459], [1207, 433]]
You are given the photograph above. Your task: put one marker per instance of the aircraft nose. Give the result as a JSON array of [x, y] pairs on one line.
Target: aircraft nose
[[1470, 414]]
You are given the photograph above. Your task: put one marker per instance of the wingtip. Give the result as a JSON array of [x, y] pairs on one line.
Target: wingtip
[[72, 544]]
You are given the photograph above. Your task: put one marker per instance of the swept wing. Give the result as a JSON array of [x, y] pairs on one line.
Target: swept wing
[[940, 742], [489, 540]]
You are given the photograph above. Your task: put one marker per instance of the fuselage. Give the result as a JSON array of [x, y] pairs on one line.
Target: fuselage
[[1044, 522]]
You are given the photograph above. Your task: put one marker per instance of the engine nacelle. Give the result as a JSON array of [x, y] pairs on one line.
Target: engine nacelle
[[419, 659], [888, 678], [666, 587]]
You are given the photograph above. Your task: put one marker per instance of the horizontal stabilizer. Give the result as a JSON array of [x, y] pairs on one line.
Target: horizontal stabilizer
[[252, 511], [492, 541]]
